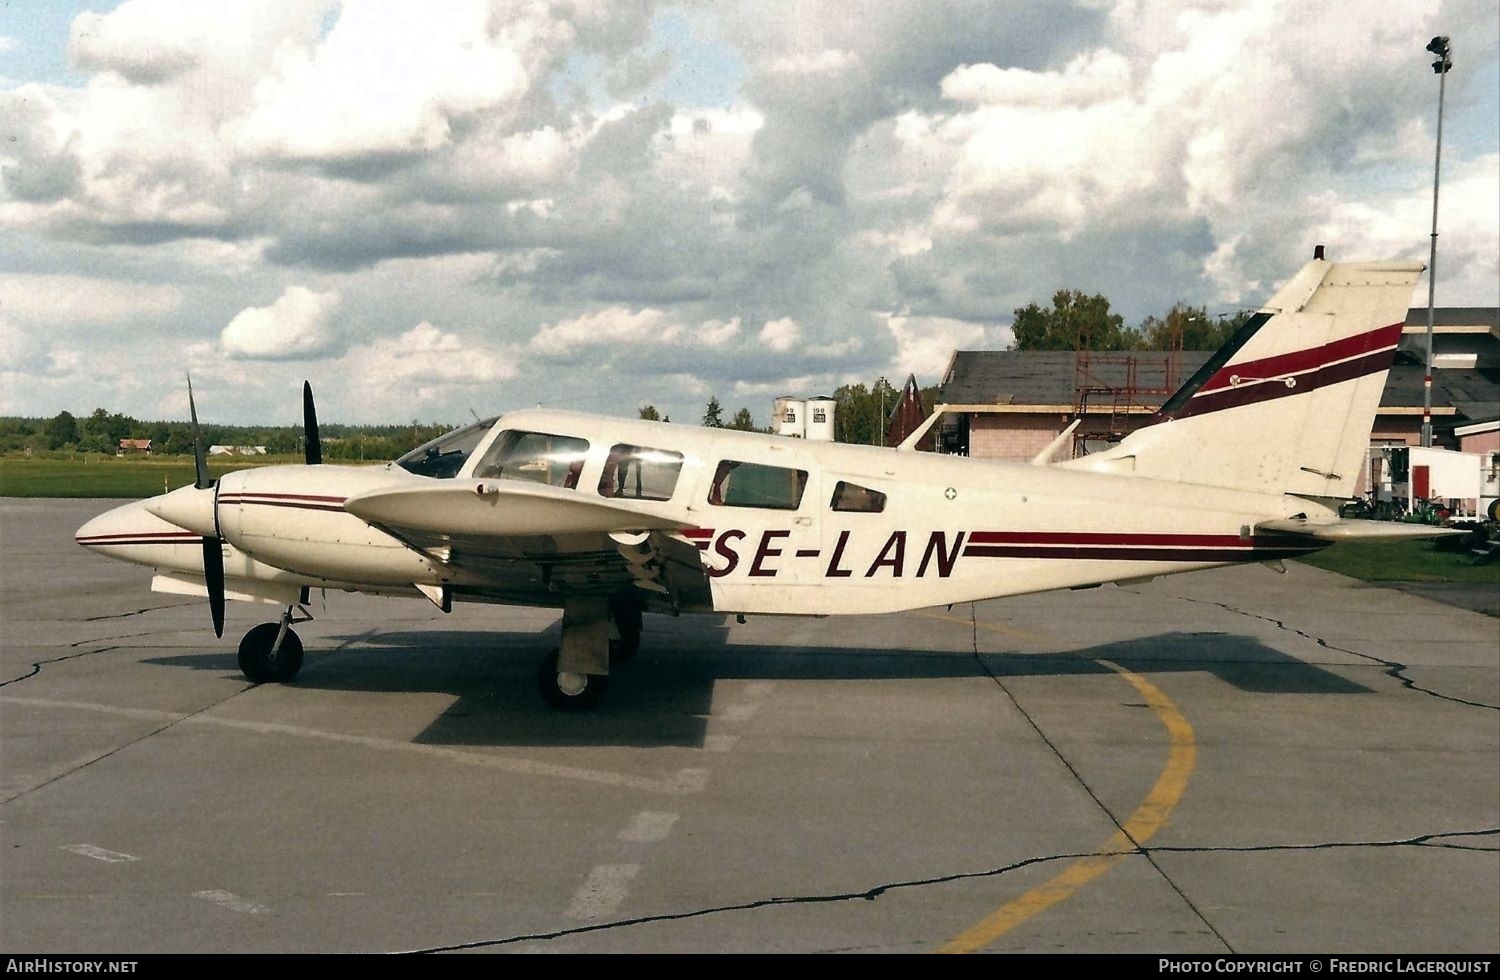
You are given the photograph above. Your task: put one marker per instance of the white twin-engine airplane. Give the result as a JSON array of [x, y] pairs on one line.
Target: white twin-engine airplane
[[609, 518]]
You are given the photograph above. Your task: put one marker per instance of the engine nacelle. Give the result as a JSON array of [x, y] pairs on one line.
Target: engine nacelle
[[293, 517]]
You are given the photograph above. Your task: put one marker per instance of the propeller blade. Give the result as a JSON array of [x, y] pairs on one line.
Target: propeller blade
[[310, 426], [213, 549], [213, 575], [200, 467]]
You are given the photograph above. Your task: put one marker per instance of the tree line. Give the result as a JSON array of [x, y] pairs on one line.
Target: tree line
[[102, 430], [1076, 321]]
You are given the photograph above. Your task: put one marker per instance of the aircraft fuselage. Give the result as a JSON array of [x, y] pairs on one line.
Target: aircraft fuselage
[[824, 529]]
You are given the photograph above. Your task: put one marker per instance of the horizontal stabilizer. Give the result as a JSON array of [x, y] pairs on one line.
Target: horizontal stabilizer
[[1357, 530]]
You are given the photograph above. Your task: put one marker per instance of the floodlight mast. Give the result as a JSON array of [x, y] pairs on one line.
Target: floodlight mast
[[1443, 50]]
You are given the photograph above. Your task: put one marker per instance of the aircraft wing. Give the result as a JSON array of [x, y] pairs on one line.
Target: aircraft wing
[[1355, 530], [523, 542]]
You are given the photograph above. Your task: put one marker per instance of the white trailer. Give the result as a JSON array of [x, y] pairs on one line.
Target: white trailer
[[1403, 479]]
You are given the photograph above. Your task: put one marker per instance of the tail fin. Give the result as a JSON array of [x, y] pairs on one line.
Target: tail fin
[[1288, 404]]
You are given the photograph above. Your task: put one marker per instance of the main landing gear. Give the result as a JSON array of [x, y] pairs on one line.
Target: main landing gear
[[575, 676], [272, 652]]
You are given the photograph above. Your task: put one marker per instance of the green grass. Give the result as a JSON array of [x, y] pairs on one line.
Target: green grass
[[131, 477], [1403, 561]]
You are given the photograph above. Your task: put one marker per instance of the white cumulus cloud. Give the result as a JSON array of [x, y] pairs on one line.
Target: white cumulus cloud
[[1091, 77], [829, 61], [780, 335], [64, 300], [424, 365], [623, 329], [615, 325], [299, 324], [925, 343], [392, 78], [716, 333]]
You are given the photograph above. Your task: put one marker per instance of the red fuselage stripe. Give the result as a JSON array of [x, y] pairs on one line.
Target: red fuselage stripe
[[106, 538], [1103, 546], [119, 539], [1108, 539], [297, 501], [1140, 554], [246, 497]]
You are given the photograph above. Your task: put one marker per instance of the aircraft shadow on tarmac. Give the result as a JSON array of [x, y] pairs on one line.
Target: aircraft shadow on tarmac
[[664, 696]]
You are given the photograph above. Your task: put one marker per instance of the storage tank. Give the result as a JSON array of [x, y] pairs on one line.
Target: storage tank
[[790, 416], [820, 418]]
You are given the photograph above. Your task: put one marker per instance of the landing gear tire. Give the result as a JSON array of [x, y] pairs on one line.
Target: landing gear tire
[[257, 662], [569, 692]]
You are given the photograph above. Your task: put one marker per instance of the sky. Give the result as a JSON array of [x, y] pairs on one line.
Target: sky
[[432, 210]]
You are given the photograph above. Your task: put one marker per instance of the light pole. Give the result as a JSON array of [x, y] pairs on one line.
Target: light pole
[[1440, 47]]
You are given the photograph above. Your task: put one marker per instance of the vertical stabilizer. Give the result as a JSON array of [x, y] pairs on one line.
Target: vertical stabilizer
[[1288, 404]]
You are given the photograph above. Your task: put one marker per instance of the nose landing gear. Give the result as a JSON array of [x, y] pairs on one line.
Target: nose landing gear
[[272, 652]]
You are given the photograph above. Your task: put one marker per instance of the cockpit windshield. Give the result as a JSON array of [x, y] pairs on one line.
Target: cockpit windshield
[[444, 456]]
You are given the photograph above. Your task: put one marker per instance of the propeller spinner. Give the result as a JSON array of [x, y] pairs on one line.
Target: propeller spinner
[[196, 508]]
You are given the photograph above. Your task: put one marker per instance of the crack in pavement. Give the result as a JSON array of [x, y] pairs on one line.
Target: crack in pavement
[[1434, 841], [1393, 668], [136, 612], [36, 668]]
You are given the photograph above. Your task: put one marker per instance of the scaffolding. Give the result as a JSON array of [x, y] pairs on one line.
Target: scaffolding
[[1113, 388]]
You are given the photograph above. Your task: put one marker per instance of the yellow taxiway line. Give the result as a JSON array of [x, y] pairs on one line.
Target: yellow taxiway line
[[1148, 818]]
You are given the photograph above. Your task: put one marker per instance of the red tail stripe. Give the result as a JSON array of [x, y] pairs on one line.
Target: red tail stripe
[[1312, 359], [1214, 401]]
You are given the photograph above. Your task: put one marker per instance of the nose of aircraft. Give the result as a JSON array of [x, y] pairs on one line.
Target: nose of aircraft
[[132, 533]]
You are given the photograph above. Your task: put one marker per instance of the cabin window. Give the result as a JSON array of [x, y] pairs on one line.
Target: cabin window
[[638, 473], [539, 457], [444, 456], [739, 484], [855, 499]]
